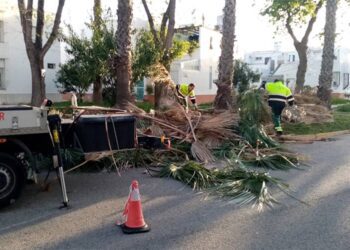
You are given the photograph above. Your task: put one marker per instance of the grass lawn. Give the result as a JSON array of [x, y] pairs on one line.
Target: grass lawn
[[341, 122], [338, 101], [206, 105], [343, 108], [146, 106]]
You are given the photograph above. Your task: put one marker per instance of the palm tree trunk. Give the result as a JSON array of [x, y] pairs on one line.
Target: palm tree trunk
[[97, 84], [224, 96], [123, 57], [326, 75]]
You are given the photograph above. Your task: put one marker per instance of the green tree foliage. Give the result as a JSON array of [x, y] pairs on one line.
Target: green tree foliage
[[90, 58], [147, 54], [291, 13], [74, 76], [298, 11], [243, 76]]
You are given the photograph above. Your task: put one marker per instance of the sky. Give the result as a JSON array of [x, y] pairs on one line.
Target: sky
[[253, 31]]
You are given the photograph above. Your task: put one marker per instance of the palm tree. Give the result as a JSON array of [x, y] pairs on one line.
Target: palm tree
[[326, 75], [97, 23], [123, 58], [224, 99]]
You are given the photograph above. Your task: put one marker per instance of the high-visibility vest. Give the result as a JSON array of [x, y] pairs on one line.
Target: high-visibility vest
[[185, 91], [279, 92]]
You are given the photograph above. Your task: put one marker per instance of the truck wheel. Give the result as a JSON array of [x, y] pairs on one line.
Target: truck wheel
[[12, 178]]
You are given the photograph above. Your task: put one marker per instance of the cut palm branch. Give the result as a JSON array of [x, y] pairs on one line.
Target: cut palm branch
[[273, 161], [191, 173], [246, 187], [254, 112], [253, 108], [256, 133]]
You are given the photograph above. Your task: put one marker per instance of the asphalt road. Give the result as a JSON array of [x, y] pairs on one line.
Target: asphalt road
[[182, 219]]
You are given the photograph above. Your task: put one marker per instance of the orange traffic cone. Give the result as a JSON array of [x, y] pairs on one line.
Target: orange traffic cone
[[134, 222]]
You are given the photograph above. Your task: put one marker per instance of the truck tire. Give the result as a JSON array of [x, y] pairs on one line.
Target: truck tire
[[12, 179]]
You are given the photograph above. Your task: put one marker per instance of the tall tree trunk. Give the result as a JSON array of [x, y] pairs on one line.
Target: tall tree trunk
[[97, 91], [224, 95], [326, 75], [123, 57], [163, 93], [38, 80], [301, 72], [301, 46], [97, 84], [36, 50]]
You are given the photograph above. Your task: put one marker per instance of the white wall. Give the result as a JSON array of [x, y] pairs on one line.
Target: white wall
[[207, 57], [17, 87], [267, 62]]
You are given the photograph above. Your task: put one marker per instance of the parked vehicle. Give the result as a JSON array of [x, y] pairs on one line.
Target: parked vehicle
[[27, 131]]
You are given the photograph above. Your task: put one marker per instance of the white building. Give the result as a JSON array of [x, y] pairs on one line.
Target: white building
[[15, 73], [201, 66], [277, 64]]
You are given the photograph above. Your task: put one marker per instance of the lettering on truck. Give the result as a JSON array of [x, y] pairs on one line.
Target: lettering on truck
[[2, 116]]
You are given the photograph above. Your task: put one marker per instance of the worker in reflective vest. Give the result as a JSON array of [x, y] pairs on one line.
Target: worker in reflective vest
[[279, 95], [186, 91]]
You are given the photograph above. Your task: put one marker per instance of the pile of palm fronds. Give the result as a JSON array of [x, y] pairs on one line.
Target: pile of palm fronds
[[254, 113], [202, 132], [238, 138], [234, 182], [197, 138]]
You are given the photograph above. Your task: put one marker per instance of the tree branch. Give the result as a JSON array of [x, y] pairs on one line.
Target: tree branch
[[163, 25], [151, 23], [171, 25], [289, 28], [39, 25], [54, 31], [311, 22], [26, 14]]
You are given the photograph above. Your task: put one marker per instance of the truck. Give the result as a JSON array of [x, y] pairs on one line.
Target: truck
[[26, 132]]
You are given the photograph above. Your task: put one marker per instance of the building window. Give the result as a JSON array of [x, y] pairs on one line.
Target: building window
[[291, 58], [258, 58], [267, 59], [345, 80], [211, 43], [2, 32], [51, 65], [2, 73]]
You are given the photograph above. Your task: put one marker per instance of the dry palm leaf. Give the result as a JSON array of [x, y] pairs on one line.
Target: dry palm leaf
[[199, 151]]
